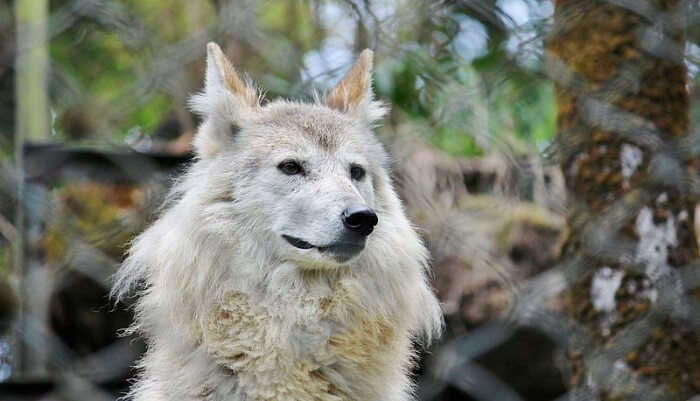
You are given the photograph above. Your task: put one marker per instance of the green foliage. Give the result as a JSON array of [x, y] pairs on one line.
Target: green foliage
[[152, 112], [455, 142], [470, 105], [292, 20], [102, 67]]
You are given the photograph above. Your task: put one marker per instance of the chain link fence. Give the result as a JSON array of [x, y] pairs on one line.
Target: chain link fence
[[471, 77]]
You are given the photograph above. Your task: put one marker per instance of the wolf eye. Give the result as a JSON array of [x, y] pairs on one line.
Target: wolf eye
[[357, 173], [290, 167], [234, 129]]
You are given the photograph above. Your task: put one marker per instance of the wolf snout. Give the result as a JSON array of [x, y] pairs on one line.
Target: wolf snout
[[359, 219]]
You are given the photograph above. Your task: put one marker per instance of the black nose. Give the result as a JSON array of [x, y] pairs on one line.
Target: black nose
[[360, 219]]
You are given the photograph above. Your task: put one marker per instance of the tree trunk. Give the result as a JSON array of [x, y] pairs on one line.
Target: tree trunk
[[623, 143]]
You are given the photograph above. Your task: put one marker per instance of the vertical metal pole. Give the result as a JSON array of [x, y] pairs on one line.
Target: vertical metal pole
[[31, 124]]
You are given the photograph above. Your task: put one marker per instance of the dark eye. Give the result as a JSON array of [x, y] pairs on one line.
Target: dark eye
[[357, 173], [290, 167], [234, 129]]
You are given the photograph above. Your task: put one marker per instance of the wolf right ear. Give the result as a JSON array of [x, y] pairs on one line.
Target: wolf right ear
[[353, 94], [226, 102], [222, 76]]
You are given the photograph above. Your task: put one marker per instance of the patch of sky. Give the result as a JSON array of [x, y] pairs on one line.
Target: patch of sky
[[522, 17], [328, 64], [5, 355], [472, 39], [692, 59]]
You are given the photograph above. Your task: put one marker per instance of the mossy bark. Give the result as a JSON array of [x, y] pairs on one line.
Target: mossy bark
[[622, 107]]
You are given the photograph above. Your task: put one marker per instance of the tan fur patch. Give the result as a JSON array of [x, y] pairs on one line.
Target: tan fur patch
[[238, 337], [323, 140], [354, 87], [362, 343]]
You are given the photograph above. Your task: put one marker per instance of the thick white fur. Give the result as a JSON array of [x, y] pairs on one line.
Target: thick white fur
[[232, 312]]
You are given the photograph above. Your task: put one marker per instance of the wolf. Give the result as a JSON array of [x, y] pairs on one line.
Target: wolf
[[282, 265]]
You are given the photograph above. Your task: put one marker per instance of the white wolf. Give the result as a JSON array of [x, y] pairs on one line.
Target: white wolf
[[283, 266]]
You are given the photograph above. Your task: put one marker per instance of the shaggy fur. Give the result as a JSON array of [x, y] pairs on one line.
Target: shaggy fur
[[232, 311]]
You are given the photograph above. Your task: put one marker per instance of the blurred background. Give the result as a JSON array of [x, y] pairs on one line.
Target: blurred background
[[546, 150]]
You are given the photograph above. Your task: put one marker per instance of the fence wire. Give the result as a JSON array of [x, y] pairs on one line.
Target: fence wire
[[495, 222]]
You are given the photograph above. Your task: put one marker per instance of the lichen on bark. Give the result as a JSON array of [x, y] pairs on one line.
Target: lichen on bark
[[625, 104]]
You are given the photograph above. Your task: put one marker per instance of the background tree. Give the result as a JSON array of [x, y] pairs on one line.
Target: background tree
[[624, 145]]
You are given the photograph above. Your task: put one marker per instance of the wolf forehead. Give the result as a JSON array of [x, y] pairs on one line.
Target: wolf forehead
[[327, 128]]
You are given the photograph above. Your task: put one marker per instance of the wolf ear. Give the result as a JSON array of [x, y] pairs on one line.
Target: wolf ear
[[226, 102], [222, 76], [354, 95]]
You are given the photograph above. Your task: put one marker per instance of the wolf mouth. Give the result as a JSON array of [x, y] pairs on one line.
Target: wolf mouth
[[297, 243], [341, 251]]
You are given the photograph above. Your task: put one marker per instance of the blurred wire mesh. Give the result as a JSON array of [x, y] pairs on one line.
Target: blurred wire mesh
[[94, 124]]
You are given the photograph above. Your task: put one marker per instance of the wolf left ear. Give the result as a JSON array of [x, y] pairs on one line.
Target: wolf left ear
[[354, 95]]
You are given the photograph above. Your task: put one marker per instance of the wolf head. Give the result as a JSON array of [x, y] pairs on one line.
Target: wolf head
[[284, 201], [305, 177]]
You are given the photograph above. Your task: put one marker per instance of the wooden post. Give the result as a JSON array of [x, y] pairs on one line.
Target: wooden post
[[32, 124]]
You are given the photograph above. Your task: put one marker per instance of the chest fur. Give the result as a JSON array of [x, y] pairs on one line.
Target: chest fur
[[326, 349]]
